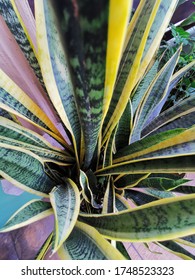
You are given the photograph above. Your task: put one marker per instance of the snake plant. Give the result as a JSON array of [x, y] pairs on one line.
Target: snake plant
[[82, 126]]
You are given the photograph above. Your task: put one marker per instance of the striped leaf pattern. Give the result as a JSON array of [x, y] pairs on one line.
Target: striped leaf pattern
[[65, 200], [85, 30], [15, 160], [31, 212], [160, 183], [141, 148], [176, 116], [176, 249], [139, 37], [124, 127], [87, 192], [153, 96], [17, 132], [178, 164], [9, 15], [118, 174], [85, 243], [158, 220], [14, 100], [54, 65], [44, 154]]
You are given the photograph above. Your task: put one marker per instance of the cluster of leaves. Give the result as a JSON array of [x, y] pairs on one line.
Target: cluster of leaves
[[100, 97], [180, 36]]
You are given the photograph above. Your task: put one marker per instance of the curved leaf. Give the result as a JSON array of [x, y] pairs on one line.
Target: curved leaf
[[44, 248], [31, 212], [15, 131], [9, 12], [180, 110], [85, 243], [65, 200], [145, 146], [153, 96], [159, 183], [15, 101], [176, 249], [159, 220], [24, 169], [180, 164], [54, 66], [129, 181], [86, 189], [45, 154]]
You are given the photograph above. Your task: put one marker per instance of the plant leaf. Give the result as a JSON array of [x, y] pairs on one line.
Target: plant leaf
[[147, 145], [178, 164], [121, 203], [65, 200], [164, 184], [159, 26], [85, 243], [174, 80], [15, 101], [44, 248], [140, 33], [176, 249], [46, 155], [142, 87], [24, 169], [85, 30], [109, 198], [86, 189], [124, 127], [116, 36], [129, 181], [9, 13], [31, 212], [159, 220], [153, 96], [54, 66], [173, 117], [139, 197]]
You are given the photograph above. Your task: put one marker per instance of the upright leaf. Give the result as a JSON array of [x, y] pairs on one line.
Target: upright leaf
[[11, 18], [136, 56], [116, 36], [179, 115], [85, 30], [153, 96], [54, 65], [65, 200]]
